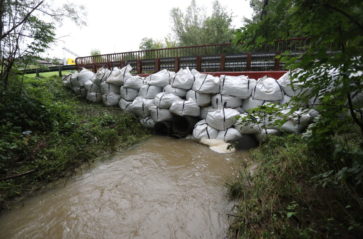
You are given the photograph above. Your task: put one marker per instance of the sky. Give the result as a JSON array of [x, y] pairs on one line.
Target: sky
[[118, 26]]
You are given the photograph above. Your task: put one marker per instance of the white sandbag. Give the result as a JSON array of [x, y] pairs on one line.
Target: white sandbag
[[101, 75], [149, 91], [73, 81], [264, 133], [199, 98], [184, 79], [79, 90], [140, 106], [229, 135], [285, 99], [289, 86], [251, 103], [357, 99], [134, 82], [267, 89], [206, 84], [125, 105], [107, 88], [239, 109], [85, 75], [222, 119], [226, 101], [128, 94], [203, 130], [185, 108], [239, 86], [159, 115], [111, 99], [161, 78], [297, 121], [88, 84], [94, 88], [94, 96], [147, 122], [118, 76], [313, 113], [164, 100], [292, 127], [246, 127], [205, 110], [176, 91], [67, 80]]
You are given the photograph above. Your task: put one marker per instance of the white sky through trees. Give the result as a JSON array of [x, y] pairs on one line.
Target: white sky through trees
[[118, 25]]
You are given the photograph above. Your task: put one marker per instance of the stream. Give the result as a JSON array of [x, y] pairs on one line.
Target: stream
[[160, 188]]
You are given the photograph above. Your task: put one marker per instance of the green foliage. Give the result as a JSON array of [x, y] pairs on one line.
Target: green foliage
[[293, 194], [47, 132], [95, 52], [27, 30], [192, 27]]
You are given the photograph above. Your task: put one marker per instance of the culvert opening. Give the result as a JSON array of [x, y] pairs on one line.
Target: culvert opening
[[183, 126], [163, 128]]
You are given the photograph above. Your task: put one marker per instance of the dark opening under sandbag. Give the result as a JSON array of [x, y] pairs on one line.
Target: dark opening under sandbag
[[163, 128], [247, 141], [183, 126]]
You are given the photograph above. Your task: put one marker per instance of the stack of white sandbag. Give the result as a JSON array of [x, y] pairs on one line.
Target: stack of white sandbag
[[161, 78], [94, 92], [81, 81], [140, 106], [129, 91], [218, 125], [111, 87], [180, 83], [204, 88]]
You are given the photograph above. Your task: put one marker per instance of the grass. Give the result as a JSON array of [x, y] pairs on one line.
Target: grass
[[48, 74], [291, 195], [46, 133]]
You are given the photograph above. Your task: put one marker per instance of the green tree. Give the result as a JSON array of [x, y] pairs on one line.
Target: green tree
[[335, 32], [193, 27], [27, 28], [149, 43]]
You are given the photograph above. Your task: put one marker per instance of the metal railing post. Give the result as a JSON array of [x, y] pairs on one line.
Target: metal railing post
[[177, 64], [248, 61], [198, 63], [222, 63]]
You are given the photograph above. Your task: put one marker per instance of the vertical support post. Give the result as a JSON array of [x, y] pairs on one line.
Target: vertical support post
[[139, 66], [37, 72], [94, 68], [198, 63], [60, 70], [277, 61], [177, 64], [157, 65], [248, 61], [222, 63]]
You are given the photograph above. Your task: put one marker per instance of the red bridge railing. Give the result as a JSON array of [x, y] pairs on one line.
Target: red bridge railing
[[204, 58]]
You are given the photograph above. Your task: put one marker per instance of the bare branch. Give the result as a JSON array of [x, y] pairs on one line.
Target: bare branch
[[22, 21]]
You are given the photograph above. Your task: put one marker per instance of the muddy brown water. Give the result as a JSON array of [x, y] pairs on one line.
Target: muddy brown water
[[162, 188]]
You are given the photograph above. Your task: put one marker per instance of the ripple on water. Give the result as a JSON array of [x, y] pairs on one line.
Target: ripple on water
[[163, 188]]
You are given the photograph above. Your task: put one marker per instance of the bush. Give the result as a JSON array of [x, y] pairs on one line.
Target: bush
[[297, 193], [46, 133]]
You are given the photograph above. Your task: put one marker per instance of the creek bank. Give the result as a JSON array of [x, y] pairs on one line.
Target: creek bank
[[48, 133]]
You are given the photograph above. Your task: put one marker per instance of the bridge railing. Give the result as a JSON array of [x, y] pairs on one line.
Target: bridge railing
[[205, 58]]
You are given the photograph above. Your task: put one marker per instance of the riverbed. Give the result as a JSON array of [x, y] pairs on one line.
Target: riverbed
[[161, 188]]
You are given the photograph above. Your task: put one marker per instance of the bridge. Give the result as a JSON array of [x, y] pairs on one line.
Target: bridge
[[213, 58], [224, 57]]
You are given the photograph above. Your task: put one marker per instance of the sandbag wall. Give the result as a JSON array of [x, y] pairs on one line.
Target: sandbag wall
[[215, 101]]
